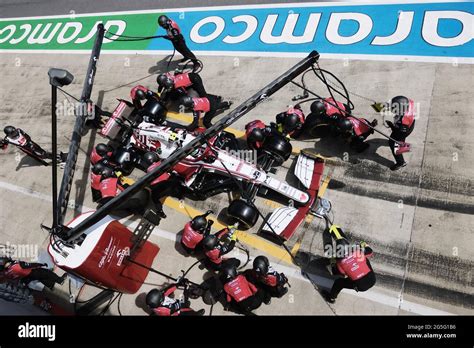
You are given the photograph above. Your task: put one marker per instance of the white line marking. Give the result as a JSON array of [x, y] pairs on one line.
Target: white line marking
[[294, 273], [337, 56], [239, 7], [25, 191]]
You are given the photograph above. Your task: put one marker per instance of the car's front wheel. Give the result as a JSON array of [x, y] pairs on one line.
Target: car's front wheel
[[278, 147], [242, 212]]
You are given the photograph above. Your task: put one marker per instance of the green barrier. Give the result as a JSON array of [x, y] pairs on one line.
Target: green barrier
[[76, 33]]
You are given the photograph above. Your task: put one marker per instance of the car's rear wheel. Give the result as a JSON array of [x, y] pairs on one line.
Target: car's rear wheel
[[242, 212], [278, 147]]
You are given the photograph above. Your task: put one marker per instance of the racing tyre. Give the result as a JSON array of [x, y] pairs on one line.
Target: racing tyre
[[243, 213], [316, 127], [278, 147]]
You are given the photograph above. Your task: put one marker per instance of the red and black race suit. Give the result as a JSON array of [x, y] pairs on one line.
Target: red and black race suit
[[239, 289], [24, 143], [95, 186], [169, 306], [215, 255], [95, 181], [360, 126], [96, 158], [408, 118], [201, 104], [355, 265], [191, 238], [173, 32], [109, 187], [269, 279], [280, 120], [249, 127], [181, 80], [20, 269], [332, 111]]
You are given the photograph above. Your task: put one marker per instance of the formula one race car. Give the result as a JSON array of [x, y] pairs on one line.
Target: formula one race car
[[217, 166]]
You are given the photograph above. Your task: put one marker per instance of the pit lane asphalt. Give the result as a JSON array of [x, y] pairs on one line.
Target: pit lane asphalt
[[425, 249]]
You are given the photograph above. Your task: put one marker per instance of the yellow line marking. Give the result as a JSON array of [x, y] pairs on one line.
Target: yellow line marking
[[189, 119], [253, 241], [324, 185], [272, 204], [296, 247]]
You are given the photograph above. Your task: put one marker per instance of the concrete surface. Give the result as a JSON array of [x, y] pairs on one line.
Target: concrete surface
[[419, 220]]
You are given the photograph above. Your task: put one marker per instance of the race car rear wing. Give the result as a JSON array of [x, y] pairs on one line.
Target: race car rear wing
[[71, 235]]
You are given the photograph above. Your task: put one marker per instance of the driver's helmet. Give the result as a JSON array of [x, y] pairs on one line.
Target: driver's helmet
[[154, 111], [199, 151]]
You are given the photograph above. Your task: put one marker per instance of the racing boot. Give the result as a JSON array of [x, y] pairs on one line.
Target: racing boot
[[398, 166]]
